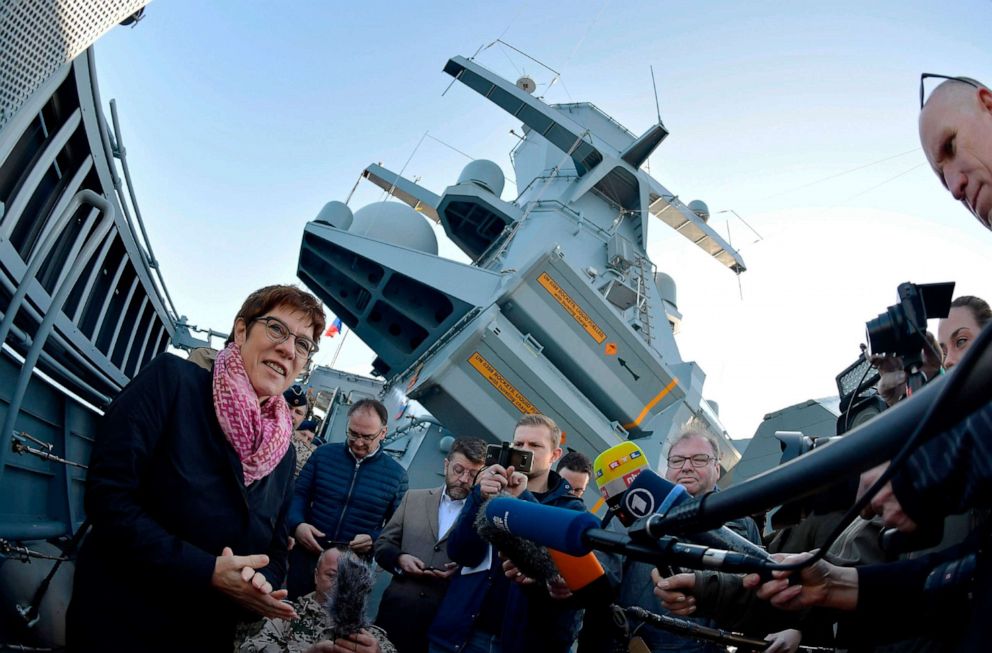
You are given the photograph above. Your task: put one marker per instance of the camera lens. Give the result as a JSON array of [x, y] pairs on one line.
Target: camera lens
[[883, 332]]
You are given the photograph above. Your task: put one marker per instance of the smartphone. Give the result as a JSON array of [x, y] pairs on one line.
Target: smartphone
[[507, 455], [327, 543], [441, 569]]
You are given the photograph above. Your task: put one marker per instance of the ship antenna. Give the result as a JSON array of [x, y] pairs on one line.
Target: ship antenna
[[740, 287], [657, 107], [392, 187]]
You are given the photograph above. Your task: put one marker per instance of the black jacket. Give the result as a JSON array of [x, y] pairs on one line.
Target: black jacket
[[950, 473], [165, 493], [531, 621]]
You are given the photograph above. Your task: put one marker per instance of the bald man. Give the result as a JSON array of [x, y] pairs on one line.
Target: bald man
[[304, 634], [956, 134], [952, 471]]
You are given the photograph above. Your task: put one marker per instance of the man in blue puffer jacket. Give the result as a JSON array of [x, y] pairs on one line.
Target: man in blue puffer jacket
[[483, 610], [345, 494]]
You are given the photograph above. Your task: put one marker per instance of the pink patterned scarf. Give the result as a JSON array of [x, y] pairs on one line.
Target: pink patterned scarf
[[259, 434]]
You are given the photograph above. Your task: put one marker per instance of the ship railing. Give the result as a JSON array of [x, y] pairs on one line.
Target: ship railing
[[113, 146]]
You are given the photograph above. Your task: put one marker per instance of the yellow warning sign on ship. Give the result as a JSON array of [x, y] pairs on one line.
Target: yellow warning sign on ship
[[498, 381], [572, 307]]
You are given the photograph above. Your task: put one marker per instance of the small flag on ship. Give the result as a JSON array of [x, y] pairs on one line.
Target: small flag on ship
[[334, 329]]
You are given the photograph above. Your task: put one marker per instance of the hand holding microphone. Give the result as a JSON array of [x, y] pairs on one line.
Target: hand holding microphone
[[640, 498], [822, 584], [511, 571], [675, 592], [526, 561]]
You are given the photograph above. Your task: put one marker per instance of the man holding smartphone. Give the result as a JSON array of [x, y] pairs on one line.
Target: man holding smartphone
[[483, 610], [414, 548], [346, 493]]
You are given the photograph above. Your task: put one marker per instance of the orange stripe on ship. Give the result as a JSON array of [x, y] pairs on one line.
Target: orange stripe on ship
[[597, 505], [651, 404]]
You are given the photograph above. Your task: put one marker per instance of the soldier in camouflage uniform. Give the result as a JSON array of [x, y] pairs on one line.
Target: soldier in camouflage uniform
[[302, 440], [313, 625]]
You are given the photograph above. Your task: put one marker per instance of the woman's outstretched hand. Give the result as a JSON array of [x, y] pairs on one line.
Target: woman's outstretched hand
[[237, 576]]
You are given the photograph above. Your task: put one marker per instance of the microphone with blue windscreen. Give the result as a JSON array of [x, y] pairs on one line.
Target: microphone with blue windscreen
[[578, 533], [555, 528]]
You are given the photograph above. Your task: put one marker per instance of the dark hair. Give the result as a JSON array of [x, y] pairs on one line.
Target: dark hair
[[373, 405], [472, 448], [979, 308], [575, 461], [265, 299], [536, 419]]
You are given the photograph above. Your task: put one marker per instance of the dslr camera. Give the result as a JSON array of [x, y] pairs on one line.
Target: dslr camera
[[901, 329], [506, 455]]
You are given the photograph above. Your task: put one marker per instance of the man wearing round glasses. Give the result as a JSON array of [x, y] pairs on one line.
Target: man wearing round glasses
[[692, 462], [345, 494], [414, 548]]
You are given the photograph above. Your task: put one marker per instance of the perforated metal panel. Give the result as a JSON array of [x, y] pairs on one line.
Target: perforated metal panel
[[37, 37], [79, 305]]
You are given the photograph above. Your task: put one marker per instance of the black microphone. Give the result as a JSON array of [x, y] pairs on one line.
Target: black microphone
[[578, 533], [531, 558], [866, 446], [651, 496], [632, 491], [584, 575]]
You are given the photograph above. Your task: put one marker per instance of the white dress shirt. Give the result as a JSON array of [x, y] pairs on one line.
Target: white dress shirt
[[447, 513]]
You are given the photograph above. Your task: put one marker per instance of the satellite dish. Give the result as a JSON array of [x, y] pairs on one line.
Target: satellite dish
[[526, 84]]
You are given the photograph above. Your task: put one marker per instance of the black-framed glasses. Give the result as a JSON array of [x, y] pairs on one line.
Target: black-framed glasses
[[277, 331], [365, 437], [925, 76], [699, 460]]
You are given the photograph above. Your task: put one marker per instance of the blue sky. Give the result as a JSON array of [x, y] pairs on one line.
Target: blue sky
[[241, 119]]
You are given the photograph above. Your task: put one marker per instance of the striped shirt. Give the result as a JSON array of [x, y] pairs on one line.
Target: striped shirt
[[951, 473]]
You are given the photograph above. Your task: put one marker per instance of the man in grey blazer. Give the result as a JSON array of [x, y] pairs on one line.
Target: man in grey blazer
[[413, 547]]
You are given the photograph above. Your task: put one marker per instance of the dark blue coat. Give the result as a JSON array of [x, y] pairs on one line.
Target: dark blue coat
[[531, 620], [343, 496], [165, 492]]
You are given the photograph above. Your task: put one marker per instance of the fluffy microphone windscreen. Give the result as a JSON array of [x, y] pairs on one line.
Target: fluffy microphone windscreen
[[346, 603], [531, 558]]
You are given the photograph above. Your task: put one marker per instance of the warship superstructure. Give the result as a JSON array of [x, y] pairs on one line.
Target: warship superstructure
[[560, 310]]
